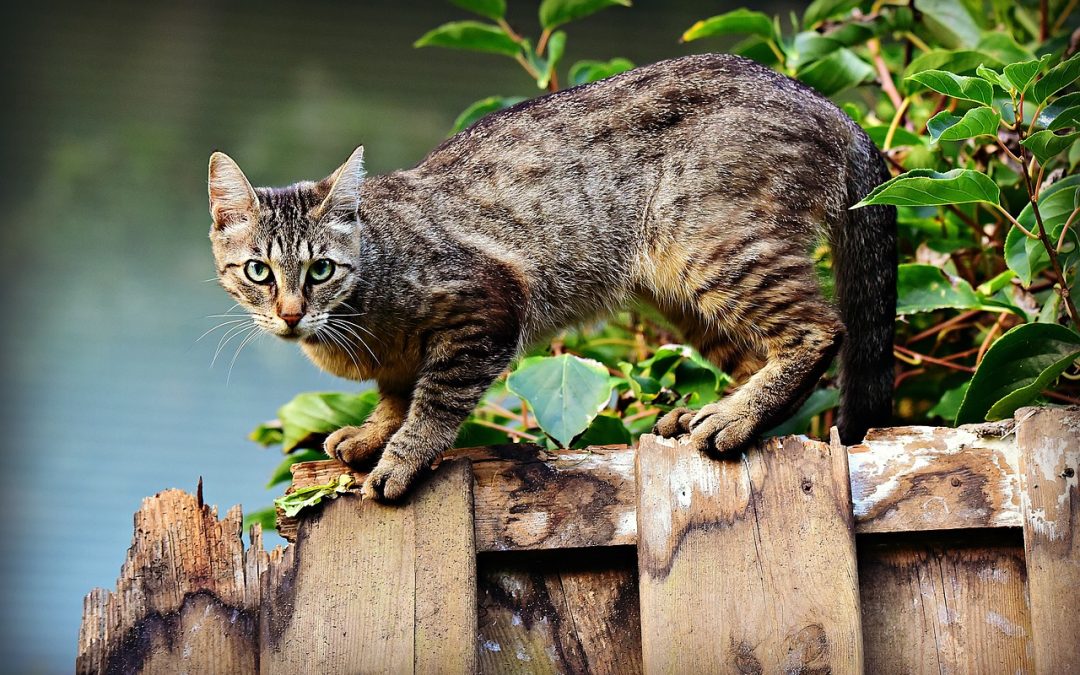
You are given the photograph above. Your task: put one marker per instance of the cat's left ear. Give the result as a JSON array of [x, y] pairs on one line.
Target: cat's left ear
[[344, 194], [232, 199]]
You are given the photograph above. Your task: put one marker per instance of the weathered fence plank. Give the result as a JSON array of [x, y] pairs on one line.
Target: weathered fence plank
[[530, 499], [747, 565], [565, 612], [1049, 441], [384, 588], [187, 599], [936, 604]]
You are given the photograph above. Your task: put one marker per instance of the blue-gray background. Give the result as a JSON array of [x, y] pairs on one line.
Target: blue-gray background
[[111, 113]]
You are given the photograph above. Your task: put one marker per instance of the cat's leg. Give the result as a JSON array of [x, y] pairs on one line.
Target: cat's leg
[[457, 372], [357, 446], [798, 333]]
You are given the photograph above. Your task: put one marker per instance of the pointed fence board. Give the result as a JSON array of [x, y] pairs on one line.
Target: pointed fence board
[[747, 565], [384, 588], [1049, 440]]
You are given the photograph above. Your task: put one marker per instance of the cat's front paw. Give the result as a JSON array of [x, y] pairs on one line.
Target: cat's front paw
[[675, 423], [391, 478], [718, 429], [355, 446]]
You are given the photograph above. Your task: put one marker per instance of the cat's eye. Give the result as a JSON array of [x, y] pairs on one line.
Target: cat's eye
[[320, 270], [257, 271]]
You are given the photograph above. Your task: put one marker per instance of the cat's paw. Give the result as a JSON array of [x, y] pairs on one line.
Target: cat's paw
[[391, 479], [675, 423], [718, 430], [354, 446]]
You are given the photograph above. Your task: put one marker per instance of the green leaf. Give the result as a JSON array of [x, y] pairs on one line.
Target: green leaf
[[1026, 256], [815, 404], [959, 62], [1061, 114], [308, 417], [490, 9], [473, 435], [924, 187], [470, 35], [283, 472], [949, 405], [556, 49], [980, 121], [645, 388], [950, 22], [993, 77], [267, 434], [901, 136], [925, 288], [265, 518], [836, 72], [604, 430], [554, 13], [1059, 77], [482, 108], [1016, 368], [583, 72], [565, 392], [809, 46], [738, 22], [994, 285], [957, 86], [1046, 144], [1002, 47], [1020, 75], [819, 10], [300, 499]]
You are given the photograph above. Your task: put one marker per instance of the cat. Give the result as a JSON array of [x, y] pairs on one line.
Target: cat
[[699, 184]]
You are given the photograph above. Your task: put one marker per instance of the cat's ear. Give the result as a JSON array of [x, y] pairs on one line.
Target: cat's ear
[[344, 186], [232, 199]]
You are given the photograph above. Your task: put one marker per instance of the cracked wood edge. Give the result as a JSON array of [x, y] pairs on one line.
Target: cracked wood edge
[[1049, 442], [906, 479], [747, 565]]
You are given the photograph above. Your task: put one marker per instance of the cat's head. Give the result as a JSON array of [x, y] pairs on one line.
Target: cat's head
[[288, 255]]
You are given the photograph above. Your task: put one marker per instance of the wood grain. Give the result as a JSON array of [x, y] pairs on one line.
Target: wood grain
[[945, 603], [567, 612], [1049, 442], [914, 479], [376, 588], [747, 565], [187, 599], [902, 480]]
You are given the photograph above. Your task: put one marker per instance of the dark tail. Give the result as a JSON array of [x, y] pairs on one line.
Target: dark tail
[[864, 262]]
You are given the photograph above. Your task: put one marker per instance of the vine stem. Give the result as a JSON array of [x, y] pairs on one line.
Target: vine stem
[[887, 83], [916, 359], [1065, 229], [1051, 251], [895, 124], [1028, 233], [516, 433], [990, 338]]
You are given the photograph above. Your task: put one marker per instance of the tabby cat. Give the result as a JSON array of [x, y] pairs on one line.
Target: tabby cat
[[699, 184]]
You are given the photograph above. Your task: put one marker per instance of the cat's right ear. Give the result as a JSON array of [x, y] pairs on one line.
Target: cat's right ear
[[232, 199], [343, 186]]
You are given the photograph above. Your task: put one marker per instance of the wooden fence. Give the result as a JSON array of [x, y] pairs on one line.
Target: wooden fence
[[922, 550]]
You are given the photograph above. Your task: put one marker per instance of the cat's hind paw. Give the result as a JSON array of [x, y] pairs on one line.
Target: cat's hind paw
[[717, 430], [675, 423], [355, 446]]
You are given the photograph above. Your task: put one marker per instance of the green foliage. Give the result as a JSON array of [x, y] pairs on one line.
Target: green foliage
[[978, 115], [311, 495]]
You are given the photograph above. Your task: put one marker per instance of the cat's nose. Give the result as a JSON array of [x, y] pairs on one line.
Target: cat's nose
[[291, 319]]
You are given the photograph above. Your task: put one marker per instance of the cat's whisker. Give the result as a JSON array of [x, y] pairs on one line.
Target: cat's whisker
[[228, 337], [239, 349], [345, 325], [220, 325], [332, 333]]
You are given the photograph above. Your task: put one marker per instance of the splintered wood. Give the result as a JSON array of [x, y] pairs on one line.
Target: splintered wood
[[747, 565], [1050, 465]]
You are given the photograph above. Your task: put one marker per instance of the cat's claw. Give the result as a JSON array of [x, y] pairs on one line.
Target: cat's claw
[[717, 430], [390, 480], [354, 446], [675, 423]]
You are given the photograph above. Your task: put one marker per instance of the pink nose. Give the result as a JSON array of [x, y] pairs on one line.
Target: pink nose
[[291, 319]]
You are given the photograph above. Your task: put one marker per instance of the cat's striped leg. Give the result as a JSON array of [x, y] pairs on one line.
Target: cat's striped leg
[[357, 446]]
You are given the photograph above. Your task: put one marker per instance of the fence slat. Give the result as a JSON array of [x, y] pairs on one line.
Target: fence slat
[[379, 588], [932, 604], [747, 565], [1049, 443]]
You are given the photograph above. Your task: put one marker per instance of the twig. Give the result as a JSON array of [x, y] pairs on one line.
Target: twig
[[959, 318], [541, 44], [1065, 228], [990, 338], [1061, 397], [896, 122], [516, 433], [874, 45], [915, 359], [640, 414], [1064, 16], [509, 31]]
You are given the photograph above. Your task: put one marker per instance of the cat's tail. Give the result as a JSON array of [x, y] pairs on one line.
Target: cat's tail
[[864, 263]]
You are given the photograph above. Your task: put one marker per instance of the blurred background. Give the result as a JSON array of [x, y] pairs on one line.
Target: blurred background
[[113, 110]]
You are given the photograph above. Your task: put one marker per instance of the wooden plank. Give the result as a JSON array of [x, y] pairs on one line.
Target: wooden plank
[[565, 612], [187, 598], [532, 499], [368, 588], [747, 565], [1049, 441], [928, 478], [952, 603]]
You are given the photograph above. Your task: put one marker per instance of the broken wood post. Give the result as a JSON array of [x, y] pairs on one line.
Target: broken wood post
[[747, 564], [1049, 444]]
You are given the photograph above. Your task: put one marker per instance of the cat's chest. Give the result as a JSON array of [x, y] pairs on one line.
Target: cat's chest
[[357, 362]]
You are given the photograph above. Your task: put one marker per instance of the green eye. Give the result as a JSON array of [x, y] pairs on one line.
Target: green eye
[[320, 270], [257, 271]]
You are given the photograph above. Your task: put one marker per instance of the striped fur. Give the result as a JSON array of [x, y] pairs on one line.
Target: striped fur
[[699, 184]]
